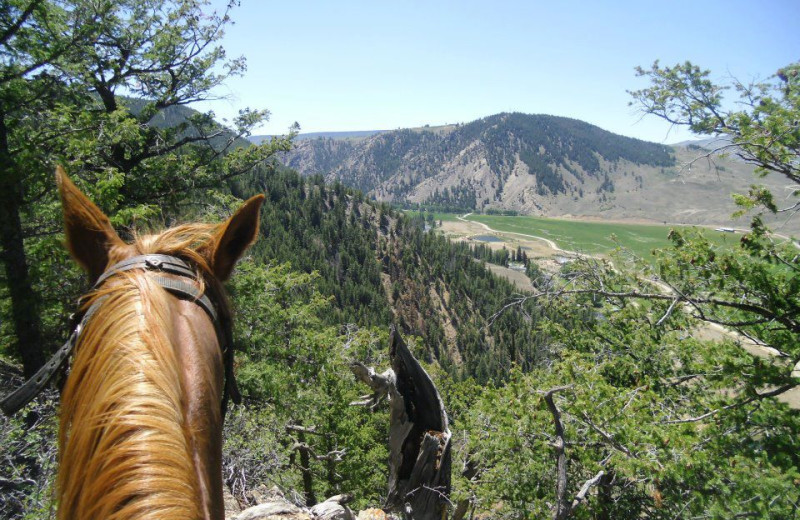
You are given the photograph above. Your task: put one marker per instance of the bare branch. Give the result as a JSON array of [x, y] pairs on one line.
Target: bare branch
[[773, 393], [789, 322], [302, 429], [562, 507], [607, 436], [333, 455], [581, 496], [669, 312]]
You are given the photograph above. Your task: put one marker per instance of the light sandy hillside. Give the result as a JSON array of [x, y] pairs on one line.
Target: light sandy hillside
[[694, 191]]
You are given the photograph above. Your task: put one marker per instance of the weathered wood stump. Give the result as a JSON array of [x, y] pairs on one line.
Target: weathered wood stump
[[419, 448], [419, 437]]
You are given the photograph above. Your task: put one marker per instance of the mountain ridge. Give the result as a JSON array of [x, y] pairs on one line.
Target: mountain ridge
[[344, 134], [533, 164]]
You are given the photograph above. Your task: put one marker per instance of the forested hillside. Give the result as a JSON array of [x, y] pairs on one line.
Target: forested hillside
[[381, 267]]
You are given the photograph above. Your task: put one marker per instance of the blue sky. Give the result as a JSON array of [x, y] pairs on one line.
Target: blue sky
[[380, 64]]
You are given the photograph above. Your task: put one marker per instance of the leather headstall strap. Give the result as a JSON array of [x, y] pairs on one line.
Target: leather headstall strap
[[17, 399], [162, 263]]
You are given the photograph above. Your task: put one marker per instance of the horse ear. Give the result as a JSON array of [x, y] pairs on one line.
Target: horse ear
[[234, 237], [90, 236]]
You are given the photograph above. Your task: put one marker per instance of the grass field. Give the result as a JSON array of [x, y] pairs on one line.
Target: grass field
[[590, 237]]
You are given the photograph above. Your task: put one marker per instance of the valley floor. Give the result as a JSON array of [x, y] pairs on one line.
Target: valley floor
[[550, 257], [545, 252]]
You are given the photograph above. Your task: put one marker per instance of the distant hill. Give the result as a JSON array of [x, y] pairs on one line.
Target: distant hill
[[534, 164], [711, 143], [175, 115], [257, 139]]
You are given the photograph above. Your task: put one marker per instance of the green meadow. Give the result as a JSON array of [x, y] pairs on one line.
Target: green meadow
[[592, 237]]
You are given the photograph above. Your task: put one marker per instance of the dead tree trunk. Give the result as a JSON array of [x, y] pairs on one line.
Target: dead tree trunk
[[564, 508], [305, 469], [419, 437]]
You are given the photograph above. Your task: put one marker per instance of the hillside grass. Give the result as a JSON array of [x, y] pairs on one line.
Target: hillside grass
[[593, 237], [445, 217]]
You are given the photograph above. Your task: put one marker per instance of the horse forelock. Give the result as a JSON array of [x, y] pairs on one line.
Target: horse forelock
[[188, 241], [191, 242]]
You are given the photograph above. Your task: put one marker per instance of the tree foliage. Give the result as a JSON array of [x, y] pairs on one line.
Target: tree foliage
[[295, 377], [679, 426], [100, 87], [763, 131], [751, 288]]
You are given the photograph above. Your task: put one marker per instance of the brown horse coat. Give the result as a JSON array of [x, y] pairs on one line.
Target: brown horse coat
[[141, 428]]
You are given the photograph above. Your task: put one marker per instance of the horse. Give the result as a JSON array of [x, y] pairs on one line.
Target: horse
[[140, 433]]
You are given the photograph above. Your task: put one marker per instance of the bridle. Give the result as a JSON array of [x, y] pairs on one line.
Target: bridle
[[186, 291]]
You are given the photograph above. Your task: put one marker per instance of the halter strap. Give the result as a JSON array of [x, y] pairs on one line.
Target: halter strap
[[14, 401], [164, 263], [154, 262]]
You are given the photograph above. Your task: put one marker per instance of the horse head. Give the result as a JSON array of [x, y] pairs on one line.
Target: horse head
[[141, 423]]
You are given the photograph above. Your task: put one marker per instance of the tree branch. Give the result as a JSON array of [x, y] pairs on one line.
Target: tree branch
[[607, 436], [581, 496], [14, 27], [773, 393], [784, 319], [562, 506]]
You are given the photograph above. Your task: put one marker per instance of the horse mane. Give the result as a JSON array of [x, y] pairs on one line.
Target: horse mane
[[124, 448]]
